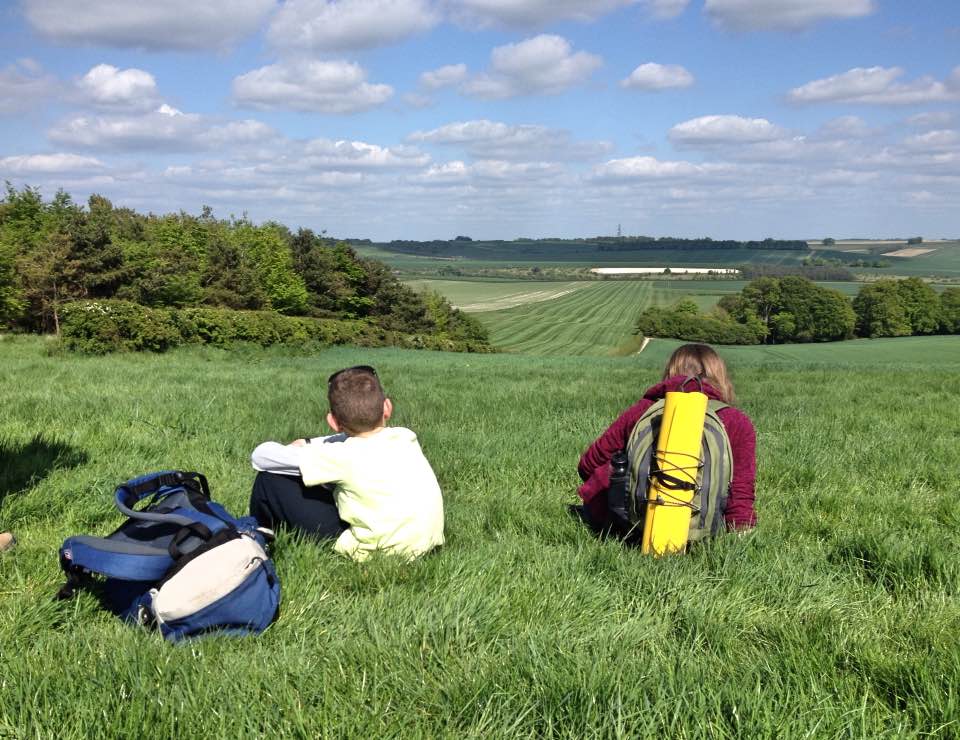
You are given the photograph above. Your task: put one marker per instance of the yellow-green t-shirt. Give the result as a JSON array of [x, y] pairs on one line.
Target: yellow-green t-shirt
[[385, 490]]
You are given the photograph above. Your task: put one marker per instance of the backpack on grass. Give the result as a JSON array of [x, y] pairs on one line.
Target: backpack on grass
[[628, 494], [181, 563]]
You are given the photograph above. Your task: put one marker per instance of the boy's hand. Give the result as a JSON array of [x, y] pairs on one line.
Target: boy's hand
[[298, 443]]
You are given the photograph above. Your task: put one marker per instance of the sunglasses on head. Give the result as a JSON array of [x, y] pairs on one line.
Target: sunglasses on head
[[360, 368]]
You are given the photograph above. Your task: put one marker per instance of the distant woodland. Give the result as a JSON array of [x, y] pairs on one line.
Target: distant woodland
[[795, 309], [56, 252]]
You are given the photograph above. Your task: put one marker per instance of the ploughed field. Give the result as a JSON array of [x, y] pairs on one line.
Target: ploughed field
[[836, 617]]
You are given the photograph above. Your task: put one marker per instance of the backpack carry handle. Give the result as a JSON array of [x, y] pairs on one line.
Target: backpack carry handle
[[133, 491], [683, 385]]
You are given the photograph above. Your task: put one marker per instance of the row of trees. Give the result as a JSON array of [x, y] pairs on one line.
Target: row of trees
[[57, 251], [794, 309], [632, 243]]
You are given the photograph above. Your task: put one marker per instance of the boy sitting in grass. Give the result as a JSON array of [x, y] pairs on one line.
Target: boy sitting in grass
[[369, 486]]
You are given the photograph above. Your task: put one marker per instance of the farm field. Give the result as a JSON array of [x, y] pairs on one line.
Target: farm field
[[845, 599], [943, 262], [503, 257], [589, 317], [494, 295], [597, 319]]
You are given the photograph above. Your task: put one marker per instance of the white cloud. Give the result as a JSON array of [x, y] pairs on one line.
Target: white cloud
[[324, 87], [417, 100], [451, 74], [350, 155], [878, 86], [932, 119], [725, 129], [783, 15], [23, 85], [651, 168], [839, 177], [236, 133], [485, 139], [336, 25], [458, 172], [165, 129], [845, 127], [108, 87], [528, 13], [171, 24], [542, 65], [27, 164], [665, 9], [653, 76], [935, 141], [156, 130], [444, 174]]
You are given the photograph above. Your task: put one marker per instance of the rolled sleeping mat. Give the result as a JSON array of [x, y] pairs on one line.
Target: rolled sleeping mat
[[673, 473]]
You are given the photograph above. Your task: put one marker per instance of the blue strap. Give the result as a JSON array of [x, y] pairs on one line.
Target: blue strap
[[115, 559], [135, 490]]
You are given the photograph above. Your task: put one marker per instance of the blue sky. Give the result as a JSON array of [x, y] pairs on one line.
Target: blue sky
[[421, 119]]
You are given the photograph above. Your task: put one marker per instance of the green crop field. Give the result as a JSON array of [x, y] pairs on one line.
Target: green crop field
[[586, 317], [514, 256], [492, 295], [943, 261], [836, 617], [597, 319]]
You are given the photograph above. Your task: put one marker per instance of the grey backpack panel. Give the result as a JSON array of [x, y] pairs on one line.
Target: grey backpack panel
[[713, 476]]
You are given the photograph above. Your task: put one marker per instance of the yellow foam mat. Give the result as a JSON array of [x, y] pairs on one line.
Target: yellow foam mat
[[667, 522]]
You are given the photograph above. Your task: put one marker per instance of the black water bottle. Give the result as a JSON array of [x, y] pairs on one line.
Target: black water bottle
[[617, 492]]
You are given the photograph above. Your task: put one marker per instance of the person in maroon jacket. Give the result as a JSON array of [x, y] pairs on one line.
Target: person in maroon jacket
[[690, 359]]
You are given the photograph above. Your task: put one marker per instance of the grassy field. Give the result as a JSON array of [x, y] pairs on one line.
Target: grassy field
[[505, 257], [598, 318], [943, 261], [837, 617]]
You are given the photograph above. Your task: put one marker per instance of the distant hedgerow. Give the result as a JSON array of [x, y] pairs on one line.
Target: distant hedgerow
[[99, 327], [684, 321]]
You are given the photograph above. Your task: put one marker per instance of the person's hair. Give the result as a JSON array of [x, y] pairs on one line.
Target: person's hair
[[356, 399], [702, 361]]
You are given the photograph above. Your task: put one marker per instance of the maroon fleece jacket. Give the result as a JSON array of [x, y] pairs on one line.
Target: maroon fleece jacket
[[594, 465]]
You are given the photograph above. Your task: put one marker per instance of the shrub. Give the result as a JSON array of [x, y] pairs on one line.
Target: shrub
[[98, 327], [679, 322]]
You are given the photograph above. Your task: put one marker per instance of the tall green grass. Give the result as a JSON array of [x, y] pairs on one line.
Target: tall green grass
[[837, 617]]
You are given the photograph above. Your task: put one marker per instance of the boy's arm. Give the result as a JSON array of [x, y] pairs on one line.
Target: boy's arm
[[273, 457]]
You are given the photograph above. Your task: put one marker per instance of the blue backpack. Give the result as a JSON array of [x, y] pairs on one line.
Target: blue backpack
[[181, 563]]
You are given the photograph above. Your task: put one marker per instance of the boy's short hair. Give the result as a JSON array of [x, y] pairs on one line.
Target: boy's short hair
[[356, 398]]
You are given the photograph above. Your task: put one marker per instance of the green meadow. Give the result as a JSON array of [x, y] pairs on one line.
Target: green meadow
[[943, 261], [599, 317], [836, 617]]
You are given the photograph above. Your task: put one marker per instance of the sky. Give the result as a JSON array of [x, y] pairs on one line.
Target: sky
[[495, 119]]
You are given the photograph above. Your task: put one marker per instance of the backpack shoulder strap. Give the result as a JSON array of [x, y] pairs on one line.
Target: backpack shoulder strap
[[135, 490], [715, 405]]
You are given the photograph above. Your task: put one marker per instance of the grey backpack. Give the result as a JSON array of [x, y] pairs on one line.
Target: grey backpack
[[714, 473]]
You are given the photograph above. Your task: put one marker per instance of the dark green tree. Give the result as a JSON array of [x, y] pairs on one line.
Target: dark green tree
[[228, 278], [11, 299], [950, 311], [880, 311], [921, 305]]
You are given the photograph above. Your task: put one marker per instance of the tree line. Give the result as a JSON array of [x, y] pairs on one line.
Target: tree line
[[57, 251], [465, 246], [636, 243], [795, 309]]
